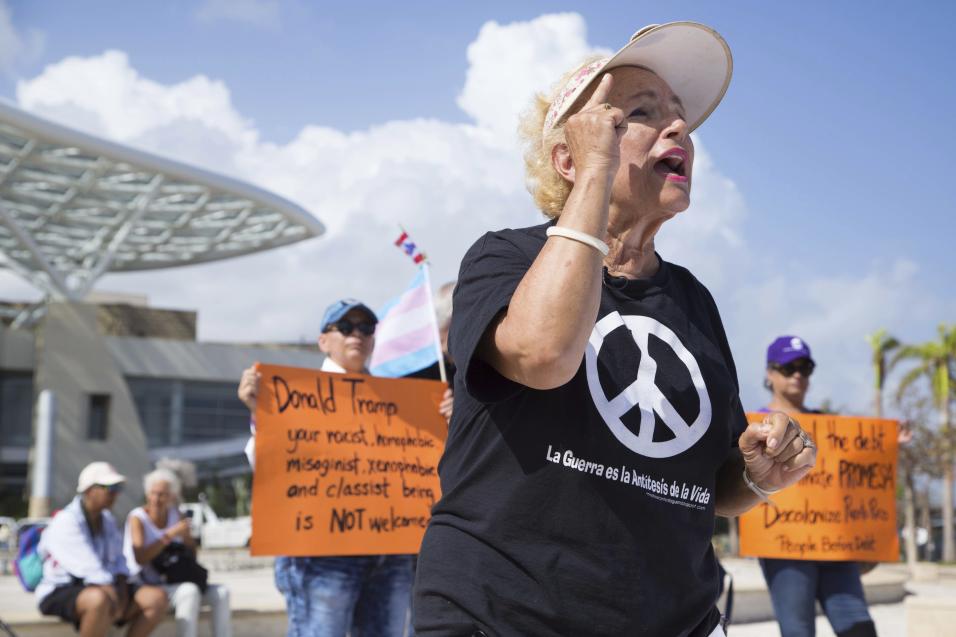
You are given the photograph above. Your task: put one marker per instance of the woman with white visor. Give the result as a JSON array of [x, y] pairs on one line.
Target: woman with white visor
[[597, 427]]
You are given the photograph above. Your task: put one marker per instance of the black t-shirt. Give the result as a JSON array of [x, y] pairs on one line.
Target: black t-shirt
[[562, 513]]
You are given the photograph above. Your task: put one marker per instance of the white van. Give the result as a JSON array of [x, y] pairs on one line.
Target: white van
[[213, 532]]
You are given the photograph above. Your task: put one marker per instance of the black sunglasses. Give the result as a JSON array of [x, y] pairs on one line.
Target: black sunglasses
[[345, 327], [803, 365], [112, 488]]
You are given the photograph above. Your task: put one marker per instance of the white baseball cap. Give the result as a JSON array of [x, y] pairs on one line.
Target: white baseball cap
[[98, 473], [692, 58]]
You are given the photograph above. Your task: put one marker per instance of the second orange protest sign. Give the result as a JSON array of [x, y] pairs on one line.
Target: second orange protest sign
[[346, 464], [844, 509]]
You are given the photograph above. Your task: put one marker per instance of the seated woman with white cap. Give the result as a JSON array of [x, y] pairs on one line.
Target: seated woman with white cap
[[84, 572], [153, 527]]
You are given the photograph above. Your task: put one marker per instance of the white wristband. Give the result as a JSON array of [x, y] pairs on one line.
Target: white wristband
[[764, 494], [581, 237]]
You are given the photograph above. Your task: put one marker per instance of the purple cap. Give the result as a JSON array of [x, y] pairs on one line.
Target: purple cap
[[787, 348]]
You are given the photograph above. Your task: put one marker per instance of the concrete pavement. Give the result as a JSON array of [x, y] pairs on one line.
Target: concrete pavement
[[890, 621], [882, 585], [258, 609]]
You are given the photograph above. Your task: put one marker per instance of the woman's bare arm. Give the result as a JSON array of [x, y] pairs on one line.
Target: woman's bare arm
[[540, 339]]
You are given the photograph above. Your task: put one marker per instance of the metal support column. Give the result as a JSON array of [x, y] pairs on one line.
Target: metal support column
[[41, 491]]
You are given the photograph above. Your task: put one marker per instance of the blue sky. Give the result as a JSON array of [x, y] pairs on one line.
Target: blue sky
[[831, 198]]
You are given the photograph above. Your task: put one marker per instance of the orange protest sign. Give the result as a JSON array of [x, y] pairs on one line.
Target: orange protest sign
[[845, 509], [346, 464]]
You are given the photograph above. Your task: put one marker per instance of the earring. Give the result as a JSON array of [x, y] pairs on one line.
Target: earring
[[766, 384]]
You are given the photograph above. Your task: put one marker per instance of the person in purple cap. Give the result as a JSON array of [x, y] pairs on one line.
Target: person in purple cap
[[789, 366], [795, 585], [337, 596]]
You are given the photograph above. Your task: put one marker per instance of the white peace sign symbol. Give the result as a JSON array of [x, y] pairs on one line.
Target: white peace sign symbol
[[644, 393]]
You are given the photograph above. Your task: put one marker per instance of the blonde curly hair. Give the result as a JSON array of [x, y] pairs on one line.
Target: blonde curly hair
[[549, 189]]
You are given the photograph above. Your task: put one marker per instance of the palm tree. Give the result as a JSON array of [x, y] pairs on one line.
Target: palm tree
[[882, 344], [936, 361]]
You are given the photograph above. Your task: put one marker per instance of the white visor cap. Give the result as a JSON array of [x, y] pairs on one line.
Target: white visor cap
[[692, 58], [98, 473]]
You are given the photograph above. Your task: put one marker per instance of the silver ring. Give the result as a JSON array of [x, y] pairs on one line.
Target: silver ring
[[807, 440]]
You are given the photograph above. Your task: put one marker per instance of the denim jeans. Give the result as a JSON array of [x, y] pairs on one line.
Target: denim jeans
[[796, 584], [364, 596]]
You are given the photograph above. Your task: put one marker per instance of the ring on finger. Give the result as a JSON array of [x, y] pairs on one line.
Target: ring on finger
[[607, 106], [807, 440]]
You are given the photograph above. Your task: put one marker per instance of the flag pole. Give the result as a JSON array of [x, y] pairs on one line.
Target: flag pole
[[437, 335]]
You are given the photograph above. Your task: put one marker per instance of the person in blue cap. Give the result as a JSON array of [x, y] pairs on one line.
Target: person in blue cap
[[337, 596], [795, 585]]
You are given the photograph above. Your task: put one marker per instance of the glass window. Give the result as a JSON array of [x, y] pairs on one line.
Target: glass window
[[153, 399], [16, 408], [98, 416], [212, 411], [177, 412]]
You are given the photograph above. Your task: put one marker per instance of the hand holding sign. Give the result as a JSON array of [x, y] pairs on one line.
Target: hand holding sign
[[249, 386], [447, 404], [777, 452]]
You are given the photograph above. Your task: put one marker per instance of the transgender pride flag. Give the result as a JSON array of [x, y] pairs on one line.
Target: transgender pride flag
[[406, 339]]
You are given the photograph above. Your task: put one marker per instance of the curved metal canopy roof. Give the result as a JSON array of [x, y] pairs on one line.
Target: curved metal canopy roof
[[73, 207]]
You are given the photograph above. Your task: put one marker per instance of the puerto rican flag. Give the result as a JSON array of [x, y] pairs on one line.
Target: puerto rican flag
[[406, 245], [407, 332]]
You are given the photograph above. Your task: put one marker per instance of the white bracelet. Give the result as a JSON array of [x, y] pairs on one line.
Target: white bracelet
[[764, 494], [581, 237]]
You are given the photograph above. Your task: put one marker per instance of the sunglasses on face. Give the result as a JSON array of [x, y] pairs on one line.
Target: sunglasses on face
[[112, 488], [802, 365], [345, 327]]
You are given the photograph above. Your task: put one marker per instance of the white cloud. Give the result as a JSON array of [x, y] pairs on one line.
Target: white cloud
[[16, 46], [257, 13], [833, 313], [447, 184], [105, 95], [509, 63]]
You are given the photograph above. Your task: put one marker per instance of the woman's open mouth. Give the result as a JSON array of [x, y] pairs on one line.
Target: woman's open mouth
[[672, 165]]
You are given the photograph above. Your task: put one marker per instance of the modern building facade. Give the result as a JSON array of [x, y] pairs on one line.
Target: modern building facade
[[128, 384], [131, 400]]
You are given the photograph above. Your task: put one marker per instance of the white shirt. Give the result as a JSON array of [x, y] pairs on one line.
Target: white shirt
[[69, 549], [147, 574]]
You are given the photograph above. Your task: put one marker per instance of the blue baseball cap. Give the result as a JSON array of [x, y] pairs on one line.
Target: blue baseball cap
[[340, 308], [787, 348]]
